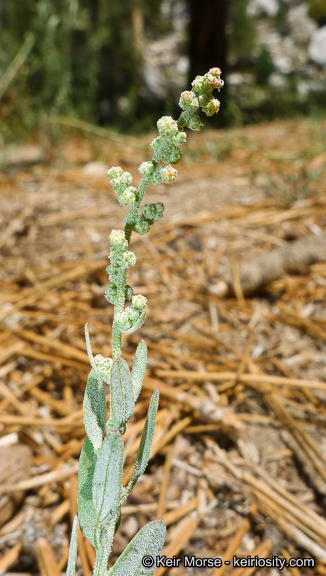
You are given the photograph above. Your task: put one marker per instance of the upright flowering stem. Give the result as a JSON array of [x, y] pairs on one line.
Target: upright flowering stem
[[118, 308], [130, 219], [101, 561], [100, 490]]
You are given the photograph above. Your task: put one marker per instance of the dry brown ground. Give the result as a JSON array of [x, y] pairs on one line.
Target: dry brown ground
[[239, 457]]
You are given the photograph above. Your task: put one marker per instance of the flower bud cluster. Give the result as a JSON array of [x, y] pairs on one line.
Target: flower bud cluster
[[167, 145], [103, 366], [200, 97], [119, 253], [141, 225], [120, 182], [150, 213], [165, 174], [133, 316], [153, 212], [166, 149], [111, 292], [207, 83], [121, 258]]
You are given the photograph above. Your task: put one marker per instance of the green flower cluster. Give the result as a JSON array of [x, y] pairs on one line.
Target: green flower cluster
[[201, 96], [165, 174], [167, 152], [132, 318], [121, 258], [167, 145], [150, 213], [102, 366], [120, 182]]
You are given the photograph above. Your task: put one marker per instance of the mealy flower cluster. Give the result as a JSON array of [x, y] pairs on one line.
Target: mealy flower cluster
[[167, 151], [159, 170], [120, 182], [121, 259], [132, 317], [200, 97]]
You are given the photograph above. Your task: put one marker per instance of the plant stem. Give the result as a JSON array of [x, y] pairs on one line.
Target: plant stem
[[121, 284], [118, 308], [134, 208], [102, 555]]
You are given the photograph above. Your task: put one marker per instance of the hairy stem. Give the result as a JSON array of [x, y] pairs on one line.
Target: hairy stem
[[134, 208], [102, 555], [118, 308], [121, 285]]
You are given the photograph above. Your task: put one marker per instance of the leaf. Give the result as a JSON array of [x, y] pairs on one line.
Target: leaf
[[73, 548], [89, 348], [147, 542], [139, 368], [138, 324], [121, 395], [107, 480], [146, 441], [94, 408], [86, 512]]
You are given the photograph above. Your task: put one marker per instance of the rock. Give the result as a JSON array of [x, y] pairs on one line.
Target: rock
[[161, 61], [268, 7], [306, 86], [287, 56], [95, 169], [237, 79], [317, 47], [282, 51], [283, 63], [183, 65], [26, 155], [277, 80], [301, 26]]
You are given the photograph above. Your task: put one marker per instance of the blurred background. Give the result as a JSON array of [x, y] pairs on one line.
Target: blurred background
[[121, 64]]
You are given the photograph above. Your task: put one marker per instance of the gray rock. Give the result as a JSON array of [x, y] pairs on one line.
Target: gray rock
[[26, 155], [317, 47], [237, 79], [164, 69], [95, 169], [301, 26], [268, 7], [277, 80]]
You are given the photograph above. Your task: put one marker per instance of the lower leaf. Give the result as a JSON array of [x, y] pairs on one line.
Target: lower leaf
[[139, 558], [86, 511]]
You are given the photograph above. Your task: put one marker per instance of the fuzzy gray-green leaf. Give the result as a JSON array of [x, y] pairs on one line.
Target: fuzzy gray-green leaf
[[146, 441], [73, 548], [148, 542], [138, 324], [121, 394], [107, 478], [86, 512], [139, 368], [94, 409]]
